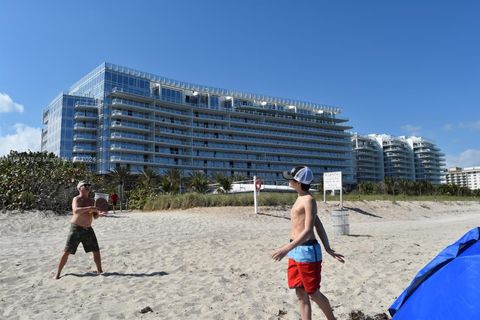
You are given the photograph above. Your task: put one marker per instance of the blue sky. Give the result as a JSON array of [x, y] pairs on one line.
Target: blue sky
[[396, 67]]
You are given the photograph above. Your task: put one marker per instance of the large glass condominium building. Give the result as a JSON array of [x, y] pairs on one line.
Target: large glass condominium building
[[119, 117], [377, 156], [397, 157], [367, 159], [429, 160]]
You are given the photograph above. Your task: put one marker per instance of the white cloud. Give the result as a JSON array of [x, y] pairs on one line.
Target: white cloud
[[412, 130], [448, 127], [473, 126], [8, 105], [25, 138], [468, 158]]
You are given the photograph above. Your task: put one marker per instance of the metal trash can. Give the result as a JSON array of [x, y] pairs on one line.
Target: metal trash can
[[341, 226]]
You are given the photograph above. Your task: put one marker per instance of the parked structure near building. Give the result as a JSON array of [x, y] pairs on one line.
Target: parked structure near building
[[119, 117], [466, 177]]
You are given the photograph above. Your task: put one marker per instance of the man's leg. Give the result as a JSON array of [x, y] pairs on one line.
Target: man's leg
[[63, 261], [304, 304], [98, 261], [323, 303]]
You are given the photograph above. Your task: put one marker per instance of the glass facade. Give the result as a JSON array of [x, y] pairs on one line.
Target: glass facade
[[368, 159], [116, 116]]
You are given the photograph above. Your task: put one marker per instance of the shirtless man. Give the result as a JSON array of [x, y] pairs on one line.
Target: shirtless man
[[81, 229], [304, 253]]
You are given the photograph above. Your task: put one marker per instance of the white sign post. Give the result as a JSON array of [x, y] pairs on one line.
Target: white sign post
[[255, 200], [333, 181]]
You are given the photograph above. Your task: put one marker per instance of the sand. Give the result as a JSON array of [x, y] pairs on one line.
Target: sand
[[215, 263]]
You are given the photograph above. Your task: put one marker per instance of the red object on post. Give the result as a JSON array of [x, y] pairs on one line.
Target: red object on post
[[258, 184]]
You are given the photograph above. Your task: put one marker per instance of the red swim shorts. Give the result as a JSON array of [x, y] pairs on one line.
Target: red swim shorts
[[304, 274]]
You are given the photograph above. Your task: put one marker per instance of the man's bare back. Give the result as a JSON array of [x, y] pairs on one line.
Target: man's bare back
[[82, 219], [297, 215]]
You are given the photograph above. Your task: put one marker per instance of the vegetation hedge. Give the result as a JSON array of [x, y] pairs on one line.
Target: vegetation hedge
[[36, 180]]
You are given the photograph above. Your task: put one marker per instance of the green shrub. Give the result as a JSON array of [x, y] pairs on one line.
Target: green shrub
[[38, 180]]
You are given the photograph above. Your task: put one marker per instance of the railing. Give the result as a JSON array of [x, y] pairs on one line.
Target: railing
[[133, 114], [84, 127], [128, 136], [130, 125], [84, 136]]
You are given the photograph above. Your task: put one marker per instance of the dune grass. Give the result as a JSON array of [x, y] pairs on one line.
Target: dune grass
[[193, 200]]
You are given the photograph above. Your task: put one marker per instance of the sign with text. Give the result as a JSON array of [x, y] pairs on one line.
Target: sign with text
[[332, 180]]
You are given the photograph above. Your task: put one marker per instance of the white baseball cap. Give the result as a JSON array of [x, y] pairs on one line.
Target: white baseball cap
[[302, 174], [83, 183]]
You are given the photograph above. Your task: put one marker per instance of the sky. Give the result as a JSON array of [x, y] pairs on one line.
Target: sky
[[395, 67]]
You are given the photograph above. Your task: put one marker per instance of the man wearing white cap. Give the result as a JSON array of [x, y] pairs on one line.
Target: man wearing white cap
[[81, 231], [304, 253]]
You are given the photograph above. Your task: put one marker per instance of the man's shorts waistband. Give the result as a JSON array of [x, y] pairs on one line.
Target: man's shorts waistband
[[76, 226], [310, 242]]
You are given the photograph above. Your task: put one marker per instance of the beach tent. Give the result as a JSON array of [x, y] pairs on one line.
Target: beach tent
[[446, 288]]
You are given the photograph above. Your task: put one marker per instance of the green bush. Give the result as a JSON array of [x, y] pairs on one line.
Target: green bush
[[37, 180]]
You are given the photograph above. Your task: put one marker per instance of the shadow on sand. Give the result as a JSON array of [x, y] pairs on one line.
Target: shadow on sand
[[359, 235], [363, 212], [112, 215], [272, 215], [118, 274]]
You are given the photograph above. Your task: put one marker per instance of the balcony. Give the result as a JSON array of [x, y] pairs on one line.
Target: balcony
[[84, 159], [123, 136], [82, 127], [133, 160], [86, 149], [85, 116], [130, 126], [115, 147], [118, 114], [82, 106], [84, 137]]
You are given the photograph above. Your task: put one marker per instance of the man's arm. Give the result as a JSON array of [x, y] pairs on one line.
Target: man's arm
[[322, 234], [81, 210], [310, 208]]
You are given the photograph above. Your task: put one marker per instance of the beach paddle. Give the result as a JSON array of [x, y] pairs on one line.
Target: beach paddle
[[102, 205]]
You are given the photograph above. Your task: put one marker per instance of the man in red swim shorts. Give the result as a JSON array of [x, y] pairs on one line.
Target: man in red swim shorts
[[304, 253]]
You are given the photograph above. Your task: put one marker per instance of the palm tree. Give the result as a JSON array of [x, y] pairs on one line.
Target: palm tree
[[149, 178], [224, 182], [198, 182], [405, 186], [170, 181]]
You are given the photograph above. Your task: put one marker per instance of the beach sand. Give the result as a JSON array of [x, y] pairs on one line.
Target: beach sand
[[215, 263]]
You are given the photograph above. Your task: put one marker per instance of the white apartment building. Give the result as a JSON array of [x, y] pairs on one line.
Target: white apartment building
[[428, 159], [377, 156], [398, 157], [367, 159], [467, 177]]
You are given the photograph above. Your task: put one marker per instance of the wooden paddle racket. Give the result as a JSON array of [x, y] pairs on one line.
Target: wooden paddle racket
[[102, 206]]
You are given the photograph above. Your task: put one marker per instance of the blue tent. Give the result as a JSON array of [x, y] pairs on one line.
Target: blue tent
[[446, 288]]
